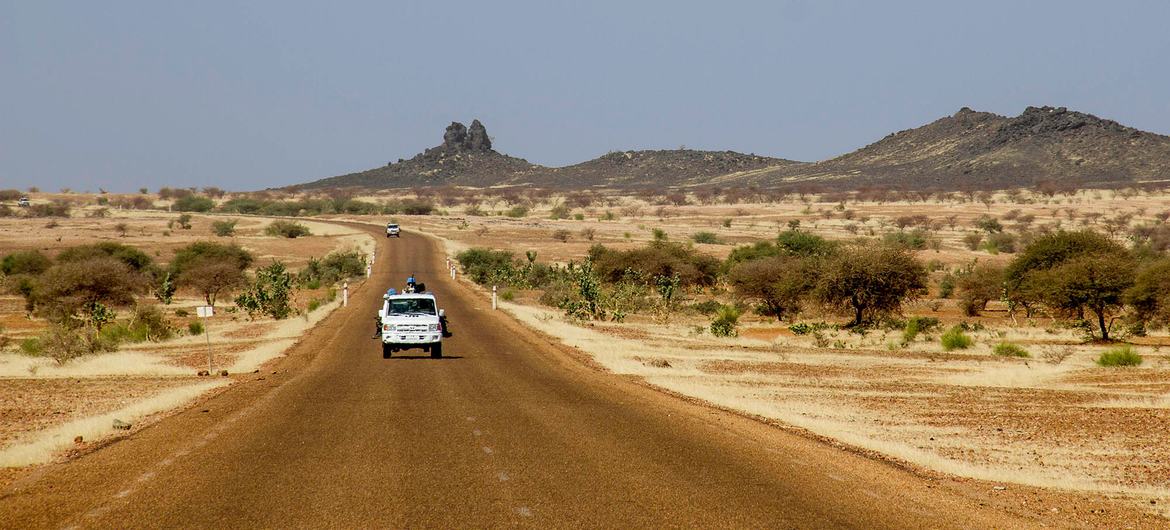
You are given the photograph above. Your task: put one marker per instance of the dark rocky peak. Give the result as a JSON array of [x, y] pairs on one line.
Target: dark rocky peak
[[455, 136], [1056, 121], [477, 137], [459, 138]]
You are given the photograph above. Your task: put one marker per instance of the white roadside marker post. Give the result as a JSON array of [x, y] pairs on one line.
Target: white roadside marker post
[[493, 297], [205, 312], [367, 271], [345, 294]]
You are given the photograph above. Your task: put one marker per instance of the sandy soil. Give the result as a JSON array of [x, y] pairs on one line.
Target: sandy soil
[[44, 405]]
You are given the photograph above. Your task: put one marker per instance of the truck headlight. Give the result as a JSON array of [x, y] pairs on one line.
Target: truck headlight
[[434, 327], [388, 327]]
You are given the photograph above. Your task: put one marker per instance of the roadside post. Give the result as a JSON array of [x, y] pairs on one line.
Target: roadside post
[[205, 312], [493, 297], [452, 272], [367, 270], [345, 294]]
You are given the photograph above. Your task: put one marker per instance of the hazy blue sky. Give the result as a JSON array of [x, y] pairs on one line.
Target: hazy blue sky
[[246, 95]]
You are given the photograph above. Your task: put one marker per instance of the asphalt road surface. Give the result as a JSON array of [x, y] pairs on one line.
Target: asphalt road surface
[[507, 430]]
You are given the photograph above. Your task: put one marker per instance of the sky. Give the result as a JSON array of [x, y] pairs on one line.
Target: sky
[[247, 95]]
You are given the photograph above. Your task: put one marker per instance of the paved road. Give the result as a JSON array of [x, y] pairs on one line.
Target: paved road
[[507, 431]]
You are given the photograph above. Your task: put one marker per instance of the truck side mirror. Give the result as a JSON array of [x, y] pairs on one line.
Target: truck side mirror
[[442, 313]]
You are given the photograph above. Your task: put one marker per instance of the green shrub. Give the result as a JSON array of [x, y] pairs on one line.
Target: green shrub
[[195, 327], [916, 325], [182, 313], [194, 203], [336, 266], [955, 339], [1007, 349], [946, 285], [578, 217], [1119, 356], [30, 262], [659, 234], [706, 307], [484, 265], [508, 295], [915, 239], [726, 320], [517, 211], [559, 211], [32, 346], [269, 293], [314, 304], [289, 229], [224, 228], [709, 238]]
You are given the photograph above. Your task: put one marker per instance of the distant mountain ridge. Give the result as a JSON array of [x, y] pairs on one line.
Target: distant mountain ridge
[[968, 150]]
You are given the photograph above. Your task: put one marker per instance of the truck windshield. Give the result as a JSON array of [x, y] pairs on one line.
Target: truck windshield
[[411, 305]]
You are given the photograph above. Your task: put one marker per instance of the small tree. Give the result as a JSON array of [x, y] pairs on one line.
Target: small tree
[[269, 293], [869, 280], [977, 287], [1096, 282], [225, 227], [289, 229], [778, 285], [1150, 294], [85, 288], [211, 278]]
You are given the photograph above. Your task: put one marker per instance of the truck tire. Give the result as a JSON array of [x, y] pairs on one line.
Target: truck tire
[[437, 350], [386, 350]]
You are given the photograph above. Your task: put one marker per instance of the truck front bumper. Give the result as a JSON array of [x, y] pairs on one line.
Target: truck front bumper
[[411, 338]]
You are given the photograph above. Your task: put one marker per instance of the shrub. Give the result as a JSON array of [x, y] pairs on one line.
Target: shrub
[[151, 323], [801, 243], [195, 327], [726, 321], [778, 285], [916, 325], [706, 307], [517, 211], [977, 287], [709, 238], [211, 277], [656, 259], [1000, 242], [1007, 349], [559, 211], [30, 262], [915, 239], [659, 234], [1119, 356], [336, 266], [269, 293], [313, 305], [483, 265], [194, 203], [561, 235], [508, 295], [956, 339], [289, 229], [588, 234], [184, 221], [973, 240], [10, 195], [224, 228]]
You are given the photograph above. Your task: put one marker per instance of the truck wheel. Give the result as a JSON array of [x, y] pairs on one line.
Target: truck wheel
[[437, 350], [386, 350]]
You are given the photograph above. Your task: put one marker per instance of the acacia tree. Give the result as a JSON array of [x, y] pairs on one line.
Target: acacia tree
[[779, 284], [978, 286], [211, 277], [67, 290], [1150, 294], [1096, 282], [870, 280], [1072, 272]]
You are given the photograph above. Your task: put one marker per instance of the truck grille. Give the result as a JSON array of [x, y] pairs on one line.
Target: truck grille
[[411, 328]]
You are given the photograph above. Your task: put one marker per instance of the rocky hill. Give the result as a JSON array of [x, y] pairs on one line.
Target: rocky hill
[[465, 158], [968, 150], [982, 150]]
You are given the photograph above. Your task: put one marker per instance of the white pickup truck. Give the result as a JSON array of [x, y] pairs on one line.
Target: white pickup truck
[[392, 230], [411, 320]]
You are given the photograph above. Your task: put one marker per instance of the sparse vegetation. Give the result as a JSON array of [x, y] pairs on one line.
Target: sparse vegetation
[[956, 339], [289, 229], [1007, 349], [1119, 356]]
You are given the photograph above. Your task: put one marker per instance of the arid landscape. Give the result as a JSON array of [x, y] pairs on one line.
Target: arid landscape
[[1053, 419], [53, 406]]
